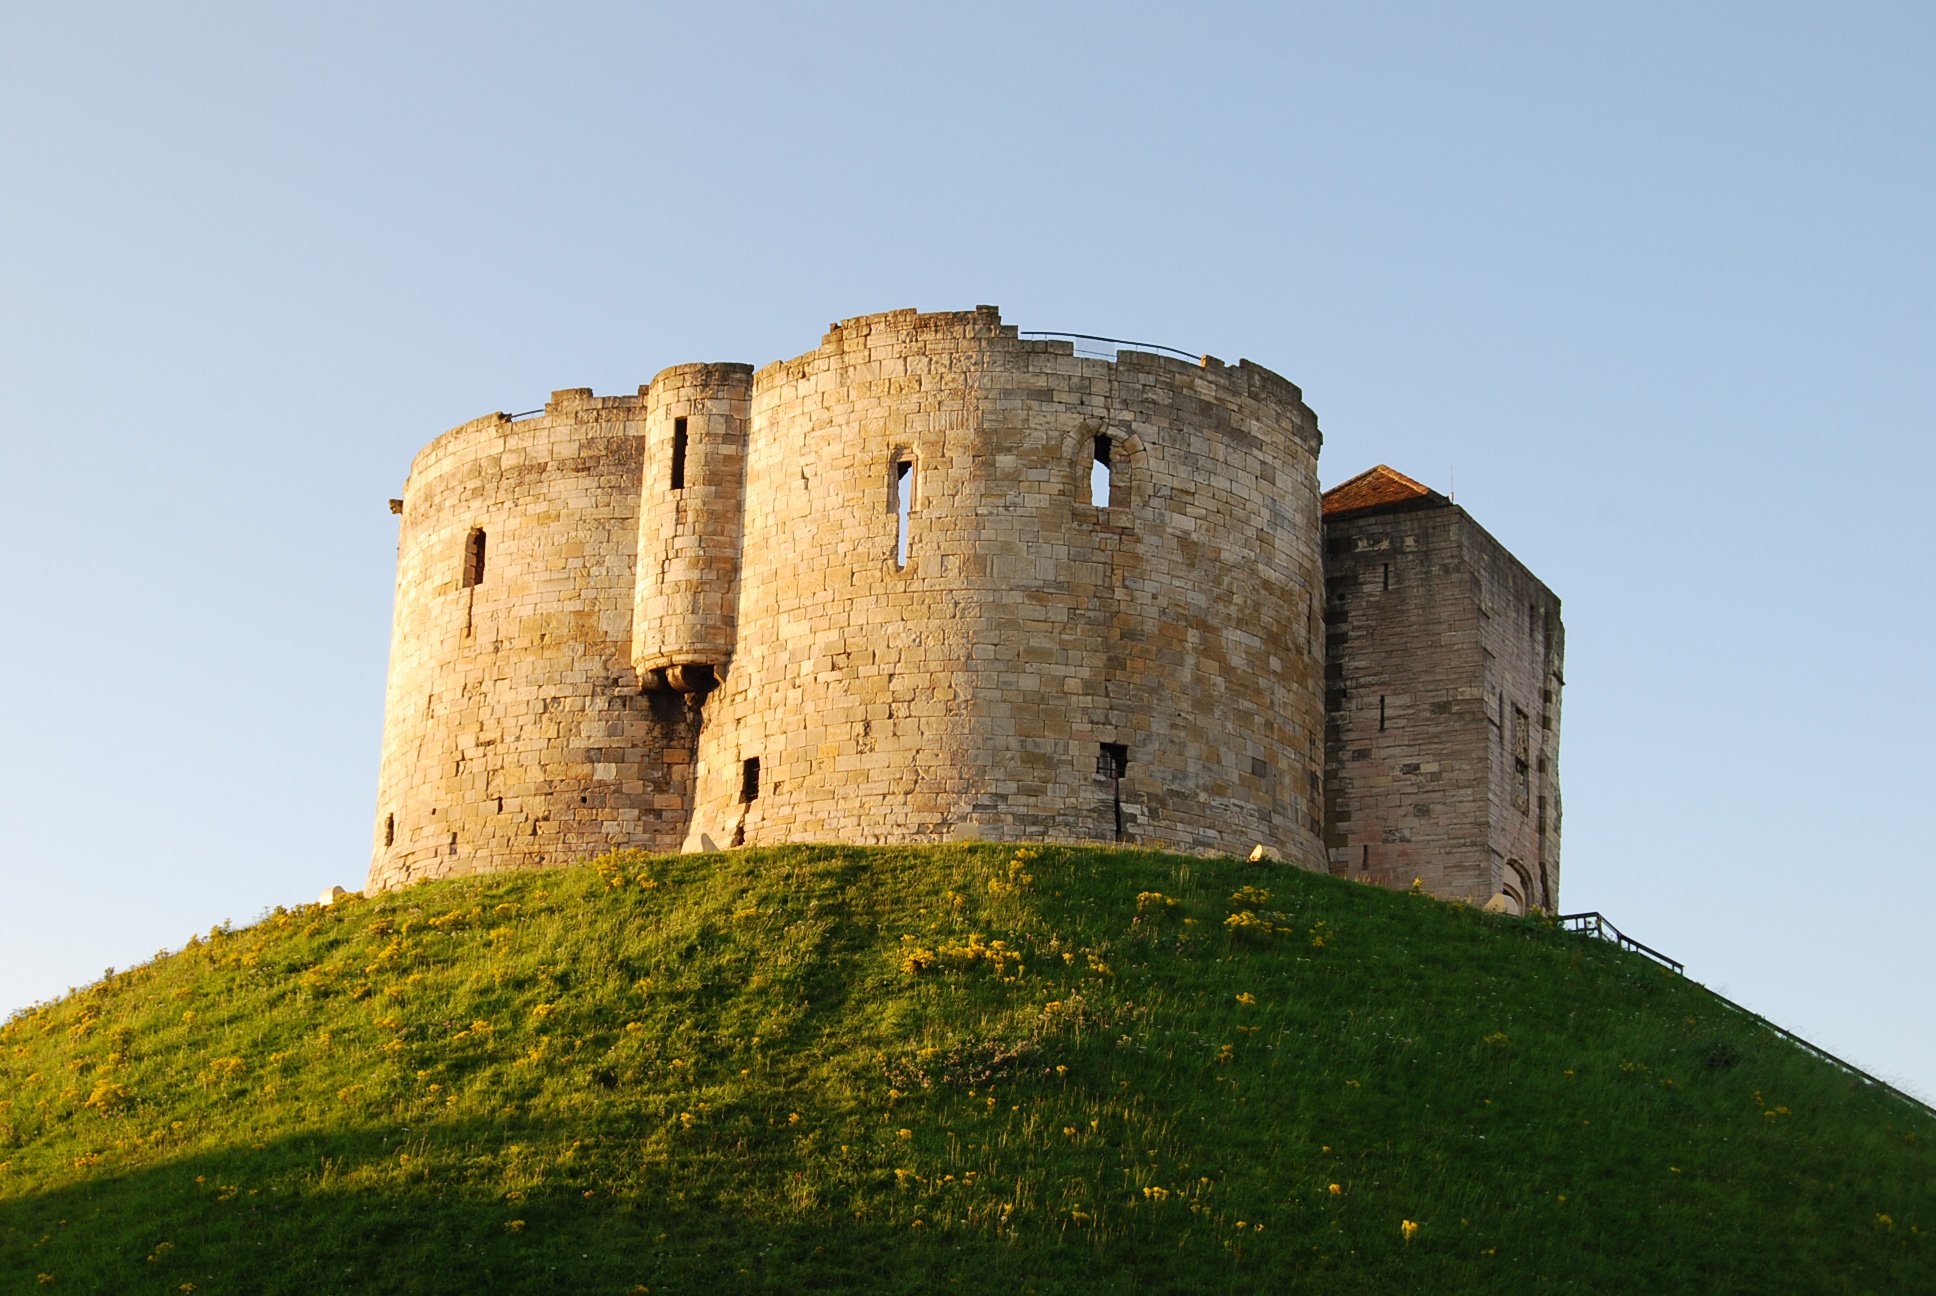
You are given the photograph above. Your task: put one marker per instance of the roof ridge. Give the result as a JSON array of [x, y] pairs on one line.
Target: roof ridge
[[1378, 486]]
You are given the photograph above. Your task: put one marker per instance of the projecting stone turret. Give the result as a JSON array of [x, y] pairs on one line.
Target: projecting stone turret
[[690, 508]]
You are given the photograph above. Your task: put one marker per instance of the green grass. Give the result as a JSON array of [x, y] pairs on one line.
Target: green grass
[[812, 1068]]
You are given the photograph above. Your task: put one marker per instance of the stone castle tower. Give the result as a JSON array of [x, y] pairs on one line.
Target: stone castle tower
[[932, 581], [1442, 700]]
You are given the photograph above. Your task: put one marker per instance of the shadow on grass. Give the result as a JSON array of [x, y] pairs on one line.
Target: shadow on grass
[[327, 1212]]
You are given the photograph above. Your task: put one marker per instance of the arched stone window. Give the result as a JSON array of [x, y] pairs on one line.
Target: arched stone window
[[474, 558], [1516, 887], [1101, 472], [1105, 464]]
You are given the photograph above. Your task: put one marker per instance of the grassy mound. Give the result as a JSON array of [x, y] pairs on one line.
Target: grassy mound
[[916, 1069]]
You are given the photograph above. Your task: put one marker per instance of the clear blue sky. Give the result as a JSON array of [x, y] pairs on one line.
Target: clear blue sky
[[1654, 281]]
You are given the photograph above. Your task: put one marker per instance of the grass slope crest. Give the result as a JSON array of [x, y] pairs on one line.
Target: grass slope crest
[[1056, 1069]]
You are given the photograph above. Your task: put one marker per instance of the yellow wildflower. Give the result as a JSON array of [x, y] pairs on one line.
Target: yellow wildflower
[[1408, 1229]]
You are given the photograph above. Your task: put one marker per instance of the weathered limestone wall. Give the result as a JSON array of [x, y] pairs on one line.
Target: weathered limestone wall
[[515, 733], [1525, 647], [970, 692], [1406, 771], [1426, 641]]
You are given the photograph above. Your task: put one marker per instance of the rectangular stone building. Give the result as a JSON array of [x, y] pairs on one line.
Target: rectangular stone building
[[1443, 673]]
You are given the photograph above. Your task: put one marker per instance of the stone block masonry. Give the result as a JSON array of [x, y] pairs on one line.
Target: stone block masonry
[[1442, 700], [515, 731], [866, 595]]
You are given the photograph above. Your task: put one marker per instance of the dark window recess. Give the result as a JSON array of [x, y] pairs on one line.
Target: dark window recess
[[903, 508], [474, 557], [1381, 712], [1522, 761], [390, 829], [1100, 475], [678, 454], [749, 780], [1259, 767], [1387, 576], [1364, 858], [1112, 761]]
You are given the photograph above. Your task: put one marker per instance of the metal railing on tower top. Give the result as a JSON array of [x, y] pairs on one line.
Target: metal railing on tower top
[[1121, 344]]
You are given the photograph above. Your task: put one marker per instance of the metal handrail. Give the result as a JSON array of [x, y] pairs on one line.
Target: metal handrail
[[526, 414], [1596, 924], [1121, 342]]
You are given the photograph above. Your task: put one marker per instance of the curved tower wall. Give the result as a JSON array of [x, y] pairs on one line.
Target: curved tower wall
[[689, 524], [515, 733], [1032, 645]]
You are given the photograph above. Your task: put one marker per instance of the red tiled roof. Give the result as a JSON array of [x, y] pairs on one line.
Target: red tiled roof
[[1379, 487]]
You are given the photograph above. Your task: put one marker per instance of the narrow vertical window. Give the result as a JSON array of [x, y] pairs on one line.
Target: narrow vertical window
[[903, 507], [1387, 575], [1381, 712], [474, 558], [1112, 761], [390, 826], [1100, 474], [678, 454], [749, 780], [1522, 761]]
